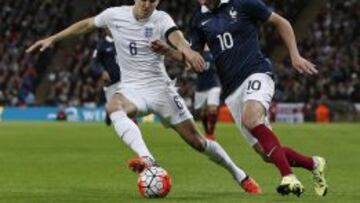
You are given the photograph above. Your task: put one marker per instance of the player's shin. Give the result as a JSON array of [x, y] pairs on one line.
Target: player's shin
[[272, 148], [211, 119], [130, 133], [204, 120], [298, 160], [218, 155]]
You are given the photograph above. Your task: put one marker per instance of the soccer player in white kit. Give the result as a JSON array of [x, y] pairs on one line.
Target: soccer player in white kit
[[145, 87]]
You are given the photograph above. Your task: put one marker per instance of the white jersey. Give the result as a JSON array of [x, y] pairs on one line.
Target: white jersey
[[140, 67]]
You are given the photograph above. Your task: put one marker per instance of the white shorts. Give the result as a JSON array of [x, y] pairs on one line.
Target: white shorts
[[259, 87], [110, 90], [208, 97], [162, 101]]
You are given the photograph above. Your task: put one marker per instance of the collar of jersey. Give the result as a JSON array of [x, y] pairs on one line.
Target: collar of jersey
[[205, 9], [109, 39]]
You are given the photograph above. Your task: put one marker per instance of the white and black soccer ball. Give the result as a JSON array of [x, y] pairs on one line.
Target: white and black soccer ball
[[154, 182]]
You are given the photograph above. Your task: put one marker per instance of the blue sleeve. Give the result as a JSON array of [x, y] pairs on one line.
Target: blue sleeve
[[96, 65], [256, 9], [197, 38]]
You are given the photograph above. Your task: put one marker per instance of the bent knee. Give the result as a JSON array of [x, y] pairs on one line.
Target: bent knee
[[213, 110], [253, 115], [113, 105], [250, 122]]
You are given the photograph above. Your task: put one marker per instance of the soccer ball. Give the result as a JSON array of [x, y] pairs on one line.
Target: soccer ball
[[154, 182]]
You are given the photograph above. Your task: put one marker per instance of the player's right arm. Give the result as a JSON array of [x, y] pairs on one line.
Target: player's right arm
[[78, 28]]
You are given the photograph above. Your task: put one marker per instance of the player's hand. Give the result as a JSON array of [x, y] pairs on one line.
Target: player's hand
[[194, 60], [159, 47], [42, 45], [304, 66]]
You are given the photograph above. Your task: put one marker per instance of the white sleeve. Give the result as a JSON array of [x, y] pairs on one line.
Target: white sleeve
[[167, 25], [102, 19]]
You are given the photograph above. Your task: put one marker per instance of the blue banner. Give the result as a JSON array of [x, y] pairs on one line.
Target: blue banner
[[72, 114], [51, 114]]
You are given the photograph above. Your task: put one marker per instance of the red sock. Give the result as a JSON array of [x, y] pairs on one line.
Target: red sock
[[204, 120], [298, 160], [272, 148], [212, 119]]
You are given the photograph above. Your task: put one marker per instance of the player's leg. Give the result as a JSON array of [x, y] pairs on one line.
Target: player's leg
[[258, 92], [206, 104], [119, 107], [208, 120], [107, 119], [190, 134], [109, 91], [204, 119], [253, 119], [294, 158], [213, 101], [200, 108], [173, 109], [248, 106], [314, 164], [212, 113]]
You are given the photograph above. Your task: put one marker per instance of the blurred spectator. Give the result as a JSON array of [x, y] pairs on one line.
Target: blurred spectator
[[322, 113], [22, 22], [332, 43]]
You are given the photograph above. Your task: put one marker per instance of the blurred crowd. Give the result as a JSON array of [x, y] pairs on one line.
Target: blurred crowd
[[332, 43], [21, 23], [290, 9]]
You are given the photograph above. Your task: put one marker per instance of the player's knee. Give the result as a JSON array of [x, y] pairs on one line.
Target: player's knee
[[212, 110], [253, 115], [250, 121], [113, 106]]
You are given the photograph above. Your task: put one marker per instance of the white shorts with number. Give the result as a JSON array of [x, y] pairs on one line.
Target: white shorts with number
[[110, 90], [208, 97], [163, 101], [258, 87]]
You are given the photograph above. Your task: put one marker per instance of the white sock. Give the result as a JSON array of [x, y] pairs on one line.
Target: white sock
[[218, 155], [130, 133]]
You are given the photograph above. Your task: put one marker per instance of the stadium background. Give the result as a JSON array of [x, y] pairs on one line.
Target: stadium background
[[86, 162], [61, 76]]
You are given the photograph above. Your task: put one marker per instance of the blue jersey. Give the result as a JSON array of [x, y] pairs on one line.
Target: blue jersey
[[104, 59], [207, 79], [231, 32]]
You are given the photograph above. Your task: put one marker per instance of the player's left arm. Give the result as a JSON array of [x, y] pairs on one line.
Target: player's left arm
[[287, 34]]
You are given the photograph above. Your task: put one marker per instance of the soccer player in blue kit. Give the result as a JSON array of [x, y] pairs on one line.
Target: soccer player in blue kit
[[207, 95], [145, 86], [230, 29], [105, 67]]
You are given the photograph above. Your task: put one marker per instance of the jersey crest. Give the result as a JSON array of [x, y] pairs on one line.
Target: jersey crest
[[149, 32], [233, 14]]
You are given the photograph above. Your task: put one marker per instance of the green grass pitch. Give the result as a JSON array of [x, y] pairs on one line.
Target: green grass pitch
[[86, 162]]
